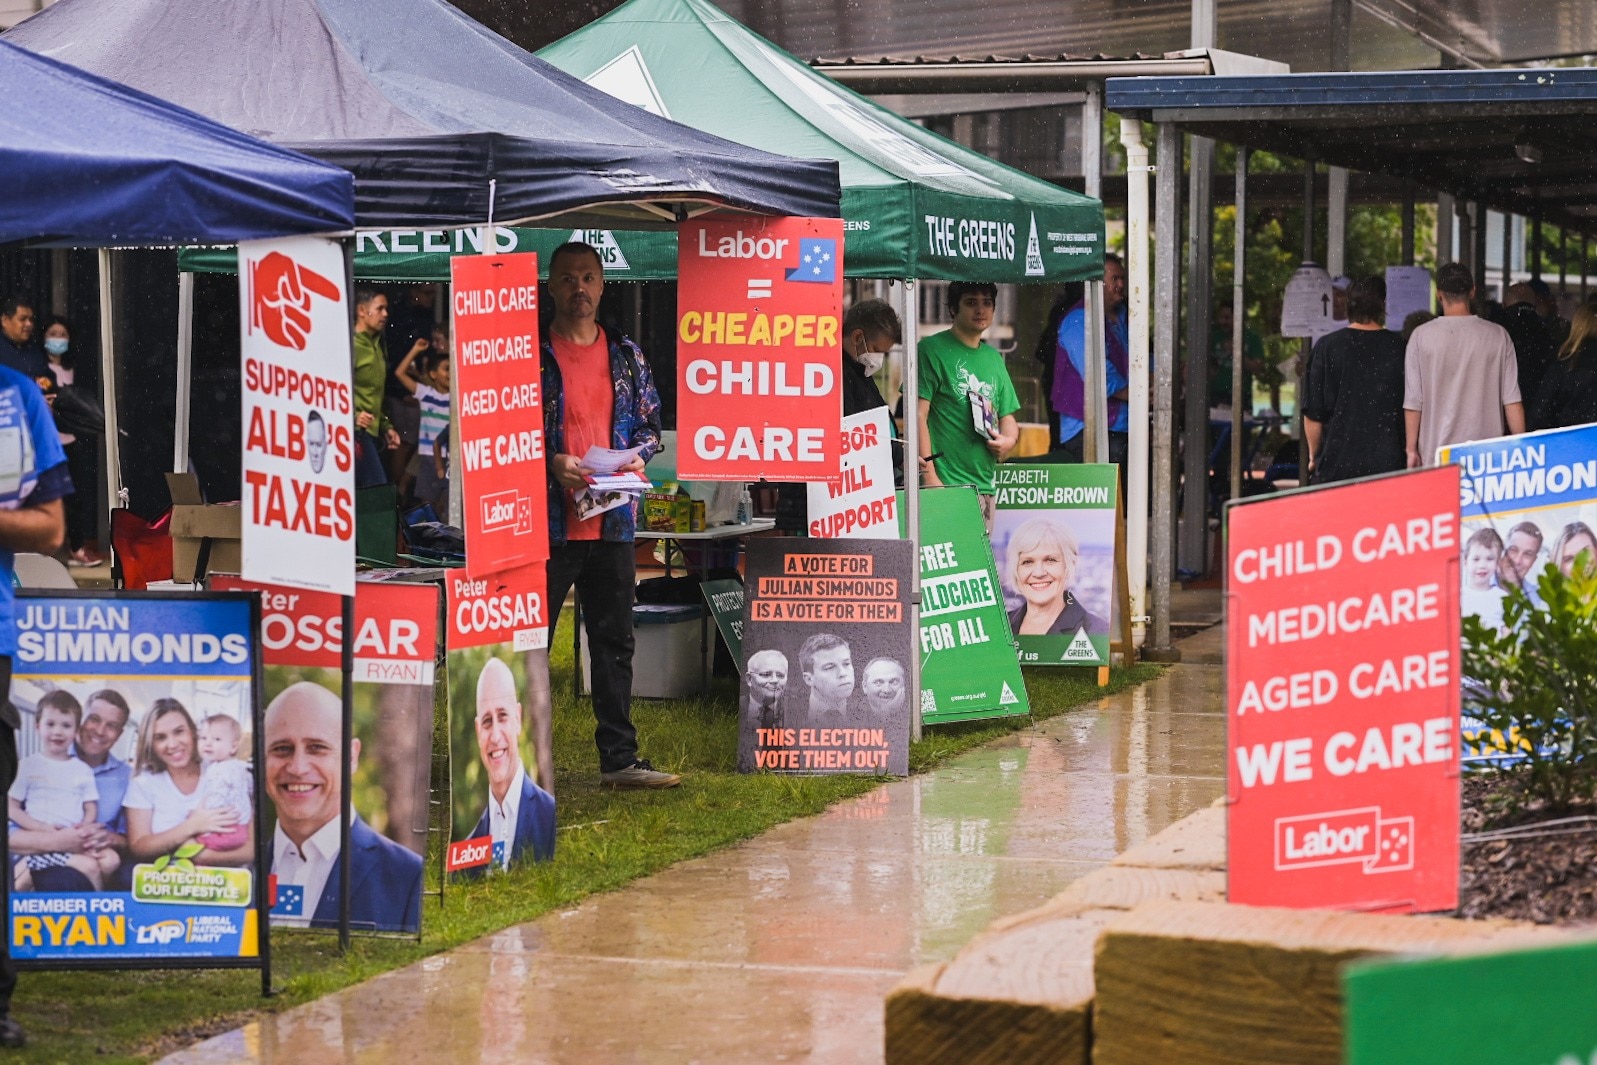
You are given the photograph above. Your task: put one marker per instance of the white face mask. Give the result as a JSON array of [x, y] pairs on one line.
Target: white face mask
[[871, 361]]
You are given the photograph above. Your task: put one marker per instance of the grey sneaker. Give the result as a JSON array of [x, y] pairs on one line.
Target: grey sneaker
[[639, 775]]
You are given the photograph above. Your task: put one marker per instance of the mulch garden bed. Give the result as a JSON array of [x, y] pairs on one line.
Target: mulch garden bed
[[1529, 864]]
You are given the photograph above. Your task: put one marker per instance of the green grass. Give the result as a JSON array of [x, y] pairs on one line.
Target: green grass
[[606, 840]]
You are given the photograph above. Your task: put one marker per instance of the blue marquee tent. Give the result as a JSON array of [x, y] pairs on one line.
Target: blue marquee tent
[[442, 121], [90, 163]]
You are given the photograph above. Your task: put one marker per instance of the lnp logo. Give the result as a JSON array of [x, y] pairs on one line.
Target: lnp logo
[[507, 510], [1034, 266], [162, 932], [817, 261], [1380, 844], [280, 292]]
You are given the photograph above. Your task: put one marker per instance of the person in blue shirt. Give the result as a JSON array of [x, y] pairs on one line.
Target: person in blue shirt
[[17, 350], [33, 482], [1068, 396]]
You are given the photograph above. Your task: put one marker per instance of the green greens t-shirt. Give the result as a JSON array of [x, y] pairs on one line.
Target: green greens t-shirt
[[949, 373]]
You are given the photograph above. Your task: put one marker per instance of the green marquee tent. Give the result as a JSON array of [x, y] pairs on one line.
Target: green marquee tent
[[915, 205]]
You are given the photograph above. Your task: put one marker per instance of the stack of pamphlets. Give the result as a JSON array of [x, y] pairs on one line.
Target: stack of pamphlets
[[609, 486]]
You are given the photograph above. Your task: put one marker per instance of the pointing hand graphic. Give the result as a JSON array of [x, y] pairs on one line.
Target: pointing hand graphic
[[280, 298]]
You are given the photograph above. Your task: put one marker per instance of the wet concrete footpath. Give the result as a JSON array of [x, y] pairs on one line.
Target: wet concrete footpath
[[784, 947]]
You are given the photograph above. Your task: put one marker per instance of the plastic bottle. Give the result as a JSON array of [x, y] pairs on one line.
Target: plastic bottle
[[745, 512]]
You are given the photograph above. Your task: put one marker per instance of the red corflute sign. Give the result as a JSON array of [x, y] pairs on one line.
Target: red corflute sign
[[499, 399], [1343, 696], [299, 421], [503, 608], [759, 344]]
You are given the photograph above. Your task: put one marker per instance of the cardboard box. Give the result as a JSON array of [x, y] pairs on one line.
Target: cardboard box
[[193, 522]]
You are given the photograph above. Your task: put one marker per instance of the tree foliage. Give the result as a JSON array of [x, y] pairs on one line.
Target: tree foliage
[[1535, 683]]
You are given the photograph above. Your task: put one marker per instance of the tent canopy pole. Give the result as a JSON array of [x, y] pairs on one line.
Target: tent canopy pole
[[910, 323], [113, 454], [1137, 334], [185, 371]]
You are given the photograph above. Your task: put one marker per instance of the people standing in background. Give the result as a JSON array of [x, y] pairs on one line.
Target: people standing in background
[[410, 328], [1568, 392], [870, 330], [597, 392], [1533, 348], [1068, 395], [1353, 398], [373, 430], [967, 402], [1556, 327], [17, 350], [31, 519], [1461, 381], [429, 383], [80, 505], [1220, 342]]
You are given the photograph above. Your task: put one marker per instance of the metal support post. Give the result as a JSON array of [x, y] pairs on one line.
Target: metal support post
[[1508, 252], [1408, 222], [1563, 261], [1167, 250], [910, 320], [113, 450], [1095, 400], [1536, 247], [1444, 228], [1137, 391], [1194, 555], [1478, 255], [1239, 273], [1336, 221], [1302, 368], [185, 372]]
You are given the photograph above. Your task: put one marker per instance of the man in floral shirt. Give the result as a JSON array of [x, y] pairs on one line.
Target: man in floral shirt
[[598, 392]]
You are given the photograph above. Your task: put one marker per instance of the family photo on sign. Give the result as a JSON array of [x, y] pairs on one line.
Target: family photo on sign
[[115, 776]]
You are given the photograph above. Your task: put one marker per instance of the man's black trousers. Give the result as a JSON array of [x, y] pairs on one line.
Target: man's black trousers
[[605, 576]]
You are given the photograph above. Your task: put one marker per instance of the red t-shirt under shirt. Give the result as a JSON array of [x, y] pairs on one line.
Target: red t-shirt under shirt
[[589, 414]]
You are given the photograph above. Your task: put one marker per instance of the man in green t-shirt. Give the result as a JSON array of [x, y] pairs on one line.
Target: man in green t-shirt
[[967, 402]]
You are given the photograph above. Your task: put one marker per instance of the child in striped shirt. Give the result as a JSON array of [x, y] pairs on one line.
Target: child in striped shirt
[[429, 383]]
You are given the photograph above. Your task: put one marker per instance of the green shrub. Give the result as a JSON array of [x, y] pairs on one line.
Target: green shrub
[[1537, 684]]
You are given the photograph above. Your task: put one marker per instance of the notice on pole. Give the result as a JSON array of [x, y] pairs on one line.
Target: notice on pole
[[759, 349], [299, 416], [396, 639], [826, 656], [1343, 696], [969, 667], [1306, 308], [862, 504], [1408, 289], [178, 667], [501, 719], [499, 397], [1054, 542]]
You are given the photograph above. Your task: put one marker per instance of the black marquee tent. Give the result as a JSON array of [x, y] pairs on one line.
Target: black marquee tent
[[441, 120]]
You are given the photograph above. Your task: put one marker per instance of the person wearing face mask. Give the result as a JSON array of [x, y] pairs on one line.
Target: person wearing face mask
[[870, 330], [80, 506]]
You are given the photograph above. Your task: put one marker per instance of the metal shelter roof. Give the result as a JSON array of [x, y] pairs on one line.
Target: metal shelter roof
[[1517, 140]]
